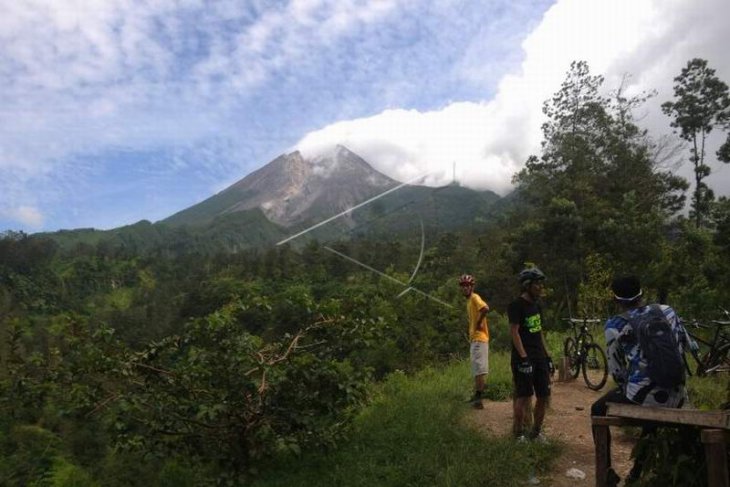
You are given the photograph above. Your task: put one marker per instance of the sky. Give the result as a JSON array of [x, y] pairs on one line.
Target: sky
[[115, 111]]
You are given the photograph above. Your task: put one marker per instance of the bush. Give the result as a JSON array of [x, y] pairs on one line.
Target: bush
[[221, 395], [28, 453], [174, 474], [672, 456], [65, 474]]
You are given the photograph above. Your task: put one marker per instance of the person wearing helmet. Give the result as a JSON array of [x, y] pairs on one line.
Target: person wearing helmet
[[476, 311], [531, 363]]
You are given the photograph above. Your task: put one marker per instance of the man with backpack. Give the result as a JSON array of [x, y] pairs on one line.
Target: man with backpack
[[645, 344]]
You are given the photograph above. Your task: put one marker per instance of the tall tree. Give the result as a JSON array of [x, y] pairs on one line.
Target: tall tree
[[701, 102], [596, 188]]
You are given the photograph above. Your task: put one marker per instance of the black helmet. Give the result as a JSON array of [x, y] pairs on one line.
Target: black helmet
[[530, 274], [626, 288]]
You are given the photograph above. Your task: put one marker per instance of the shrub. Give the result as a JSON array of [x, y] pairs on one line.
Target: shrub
[[221, 395]]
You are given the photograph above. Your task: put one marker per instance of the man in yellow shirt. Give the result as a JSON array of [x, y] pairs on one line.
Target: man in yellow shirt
[[476, 310]]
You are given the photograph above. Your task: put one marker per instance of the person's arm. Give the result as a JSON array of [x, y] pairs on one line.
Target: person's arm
[[616, 359], [481, 319], [483, 308], [517, 340], [551, 366], [515, 316], [523, 366]]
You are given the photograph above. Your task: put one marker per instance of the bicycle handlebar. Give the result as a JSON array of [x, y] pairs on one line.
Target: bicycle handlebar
[[582, 320]]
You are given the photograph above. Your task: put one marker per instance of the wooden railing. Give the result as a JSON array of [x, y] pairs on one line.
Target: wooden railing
[[715, 426]]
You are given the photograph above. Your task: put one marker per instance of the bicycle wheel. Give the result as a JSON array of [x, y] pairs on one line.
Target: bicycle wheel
[[718, 360], [595, 366], [570, 351]]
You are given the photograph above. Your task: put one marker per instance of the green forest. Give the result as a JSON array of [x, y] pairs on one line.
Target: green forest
[[179, 363]]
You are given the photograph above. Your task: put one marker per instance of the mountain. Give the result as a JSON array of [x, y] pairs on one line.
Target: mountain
[[290, 195], [291, 190]]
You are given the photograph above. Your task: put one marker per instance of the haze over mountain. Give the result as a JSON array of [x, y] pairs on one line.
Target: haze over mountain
[[292, 193]]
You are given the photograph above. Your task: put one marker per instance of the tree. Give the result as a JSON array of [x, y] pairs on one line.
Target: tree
[[702, 102], [595, 189]]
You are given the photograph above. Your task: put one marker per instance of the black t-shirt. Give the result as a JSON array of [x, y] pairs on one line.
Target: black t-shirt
[[529, 316]]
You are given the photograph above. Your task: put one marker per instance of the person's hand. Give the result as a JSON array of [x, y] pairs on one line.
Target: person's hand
[[551, 366], [524, 367], [693, 345]]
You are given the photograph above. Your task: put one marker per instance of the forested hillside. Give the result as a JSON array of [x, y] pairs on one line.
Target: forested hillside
[[123, 360], [401, 213]]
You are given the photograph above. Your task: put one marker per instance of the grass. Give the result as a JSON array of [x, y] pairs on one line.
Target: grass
[[711, 392], [413, 434]]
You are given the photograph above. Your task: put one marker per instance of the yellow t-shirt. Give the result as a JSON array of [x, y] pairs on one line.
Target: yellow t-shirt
[[473, 305]]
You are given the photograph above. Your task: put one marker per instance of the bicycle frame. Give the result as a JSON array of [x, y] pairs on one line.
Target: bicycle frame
[[715, 359], [583, 335], [583, 354]]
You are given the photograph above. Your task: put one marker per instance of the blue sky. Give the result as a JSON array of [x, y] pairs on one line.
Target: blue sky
[[113, 111]]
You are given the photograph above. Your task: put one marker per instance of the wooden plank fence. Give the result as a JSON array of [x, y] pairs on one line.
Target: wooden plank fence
[[714, 426]]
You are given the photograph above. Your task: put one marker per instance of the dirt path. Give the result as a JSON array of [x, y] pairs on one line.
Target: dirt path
[[568, 421]]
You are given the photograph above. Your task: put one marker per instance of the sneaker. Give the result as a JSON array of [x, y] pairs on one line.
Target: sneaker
[[532, 480], [476, 400], [521, 439], [539, 438]]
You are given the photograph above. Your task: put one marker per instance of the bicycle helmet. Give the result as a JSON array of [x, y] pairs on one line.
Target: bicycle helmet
[[466, 280], [530, 274]]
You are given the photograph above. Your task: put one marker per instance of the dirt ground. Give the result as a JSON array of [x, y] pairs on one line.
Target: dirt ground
[[568, 421]]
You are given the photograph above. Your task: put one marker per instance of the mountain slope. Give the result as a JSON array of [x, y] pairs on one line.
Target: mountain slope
[[290, 189], [226, 233], [292, 195]]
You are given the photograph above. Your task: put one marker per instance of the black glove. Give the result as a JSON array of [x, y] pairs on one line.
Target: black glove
[[524, 367], [551, 366]]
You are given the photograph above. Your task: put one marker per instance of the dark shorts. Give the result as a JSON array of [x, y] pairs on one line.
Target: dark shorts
[[538, 383], [599, 407]]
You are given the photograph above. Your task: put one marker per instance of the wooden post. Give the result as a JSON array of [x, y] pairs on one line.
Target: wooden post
[[716, 453], [603, 453], [563, 369]]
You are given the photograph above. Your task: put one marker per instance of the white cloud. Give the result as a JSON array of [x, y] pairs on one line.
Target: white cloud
[[94, 63], [407, 143], [488, 141], [26, 215], [84, 80], [290, 35]]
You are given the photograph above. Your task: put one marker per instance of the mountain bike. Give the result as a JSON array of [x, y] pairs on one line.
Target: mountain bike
[[713, 355], [583, 354]]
